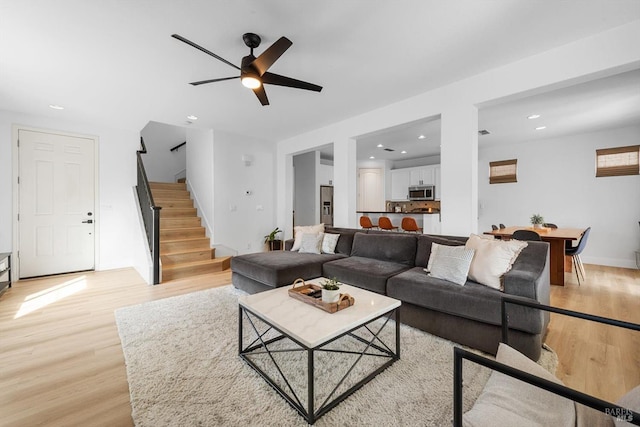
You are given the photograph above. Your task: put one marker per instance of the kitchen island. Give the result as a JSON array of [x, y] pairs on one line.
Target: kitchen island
[[429, 221]]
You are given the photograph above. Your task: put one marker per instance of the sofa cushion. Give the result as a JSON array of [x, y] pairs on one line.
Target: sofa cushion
[[450, 263], [329, 243], [345, 241], [423, 247], [394, 248], [472, 301], [516, 403], [299, 230], [311, 243], [493, 259], [280, 268], [366, 273]]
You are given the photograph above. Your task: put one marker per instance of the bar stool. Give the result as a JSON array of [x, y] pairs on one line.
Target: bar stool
[[385, 224], [409, 225], [365, 223]]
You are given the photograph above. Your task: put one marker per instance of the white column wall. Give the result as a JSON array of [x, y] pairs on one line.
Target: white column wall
[[459, 170]]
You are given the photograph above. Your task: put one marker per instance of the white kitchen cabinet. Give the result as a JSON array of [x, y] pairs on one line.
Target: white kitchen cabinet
[[400, 182], [422, 175]]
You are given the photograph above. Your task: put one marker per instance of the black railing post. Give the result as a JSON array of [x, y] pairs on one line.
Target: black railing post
[[150, 214], [156, 244]]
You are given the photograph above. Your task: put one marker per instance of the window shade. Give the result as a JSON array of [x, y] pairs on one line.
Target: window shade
[[503, 171], [618, 161]]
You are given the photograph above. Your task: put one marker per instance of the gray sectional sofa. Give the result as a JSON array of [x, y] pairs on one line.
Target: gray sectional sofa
[[393, 264]]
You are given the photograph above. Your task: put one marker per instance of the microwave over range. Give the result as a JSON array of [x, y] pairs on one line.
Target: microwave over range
[[422, 192]]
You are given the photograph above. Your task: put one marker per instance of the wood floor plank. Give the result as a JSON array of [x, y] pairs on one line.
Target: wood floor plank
[[61, 361]]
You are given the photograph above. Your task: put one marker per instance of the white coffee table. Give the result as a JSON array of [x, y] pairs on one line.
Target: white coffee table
[[311, 330]]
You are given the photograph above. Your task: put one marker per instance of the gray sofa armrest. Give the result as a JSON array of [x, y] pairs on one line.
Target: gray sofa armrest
[[529, 275]]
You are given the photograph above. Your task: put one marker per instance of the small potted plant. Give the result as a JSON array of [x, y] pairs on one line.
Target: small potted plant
[[537, 220], [330, 290], [270, 239]]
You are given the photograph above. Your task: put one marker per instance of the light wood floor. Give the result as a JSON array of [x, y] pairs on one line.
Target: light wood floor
[[61, 363]]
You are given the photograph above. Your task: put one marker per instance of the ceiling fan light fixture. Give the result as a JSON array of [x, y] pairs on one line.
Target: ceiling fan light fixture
[[251, 82]]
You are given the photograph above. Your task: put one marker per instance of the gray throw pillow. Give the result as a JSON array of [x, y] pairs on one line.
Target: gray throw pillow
[[450, 263], [311, 243]]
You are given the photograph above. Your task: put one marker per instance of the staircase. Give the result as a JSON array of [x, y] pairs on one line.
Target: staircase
[[185, 250]]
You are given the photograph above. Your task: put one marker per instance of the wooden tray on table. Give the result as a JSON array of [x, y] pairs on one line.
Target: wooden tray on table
[[300, 291]]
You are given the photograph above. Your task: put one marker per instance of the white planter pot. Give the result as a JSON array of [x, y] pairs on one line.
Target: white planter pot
[[330, 296], [537, 225]]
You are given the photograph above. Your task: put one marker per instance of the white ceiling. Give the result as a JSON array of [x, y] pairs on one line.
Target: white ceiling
[[114, 63], [599, 104]]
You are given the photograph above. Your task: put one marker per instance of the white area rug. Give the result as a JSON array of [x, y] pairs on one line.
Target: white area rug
[[184, 370]]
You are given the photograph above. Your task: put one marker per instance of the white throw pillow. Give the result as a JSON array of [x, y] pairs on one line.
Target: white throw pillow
[[493, 259], [450, 263], [506, 401], [299, 230], [329, 242], [311, 243]]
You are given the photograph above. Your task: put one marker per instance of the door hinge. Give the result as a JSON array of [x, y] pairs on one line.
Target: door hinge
[[18, 217], [18, 180], [18, 143]]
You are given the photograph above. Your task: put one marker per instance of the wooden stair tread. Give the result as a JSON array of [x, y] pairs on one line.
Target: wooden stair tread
[[195, 263]]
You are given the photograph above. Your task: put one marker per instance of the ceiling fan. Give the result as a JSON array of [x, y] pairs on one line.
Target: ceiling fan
[[253, 71]]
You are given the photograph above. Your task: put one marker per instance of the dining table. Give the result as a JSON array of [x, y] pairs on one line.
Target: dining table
[[556, 237]]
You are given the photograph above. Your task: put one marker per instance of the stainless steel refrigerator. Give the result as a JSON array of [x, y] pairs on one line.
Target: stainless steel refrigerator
[[326, 204]]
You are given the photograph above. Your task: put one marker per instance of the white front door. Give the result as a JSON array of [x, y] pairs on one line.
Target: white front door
[[56, 203]]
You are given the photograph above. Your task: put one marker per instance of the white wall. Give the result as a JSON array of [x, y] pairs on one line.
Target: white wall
[[306, 188], [556, 178], [162, 164], [200, 172], [118, 230], [596, 56], [241, 220]]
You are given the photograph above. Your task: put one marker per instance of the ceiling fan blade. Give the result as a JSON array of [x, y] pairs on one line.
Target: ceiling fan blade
[[202, 82], [262, 95], [276, 79], [271, 55], [200, 48]]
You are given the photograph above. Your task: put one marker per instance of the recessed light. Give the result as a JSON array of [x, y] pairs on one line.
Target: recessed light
[[192, 117], [371, 157], [379, 145], [421, 137], [404, 152], [541, 127], [56, 106], [533, 116]]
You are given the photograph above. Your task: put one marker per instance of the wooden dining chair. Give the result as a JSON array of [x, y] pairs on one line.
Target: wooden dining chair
[[365, 223], [409, 224], [384, 223], [494, 227]]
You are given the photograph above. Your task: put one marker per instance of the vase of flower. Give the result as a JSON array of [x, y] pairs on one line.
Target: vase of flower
[[537, 220], [330, 290]]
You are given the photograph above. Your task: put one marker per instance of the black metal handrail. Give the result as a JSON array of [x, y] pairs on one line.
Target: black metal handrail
[[150, 213], [561, 390], [178, 146]]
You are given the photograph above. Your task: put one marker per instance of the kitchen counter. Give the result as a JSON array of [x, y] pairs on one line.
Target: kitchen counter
[[428, 221], [398, 213]]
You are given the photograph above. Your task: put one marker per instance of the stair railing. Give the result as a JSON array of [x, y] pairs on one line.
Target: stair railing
[[150, 213]]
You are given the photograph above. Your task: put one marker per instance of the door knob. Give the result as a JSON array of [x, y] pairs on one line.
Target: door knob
[[89, 221]]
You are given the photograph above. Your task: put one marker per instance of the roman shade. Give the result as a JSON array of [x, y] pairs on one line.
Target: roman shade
[[503, 171], [618, 161]]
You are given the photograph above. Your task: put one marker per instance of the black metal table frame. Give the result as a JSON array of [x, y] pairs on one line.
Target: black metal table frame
[[311, 414]]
